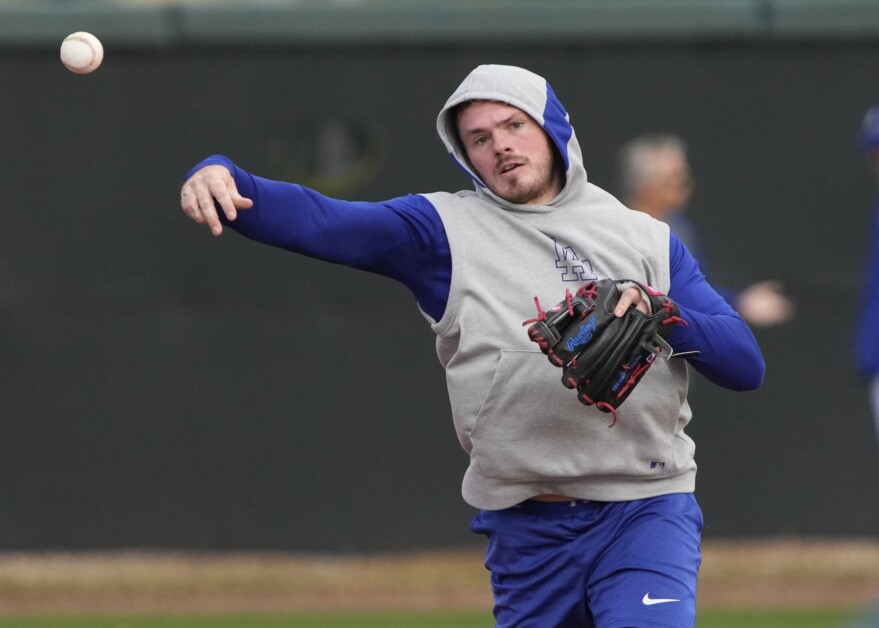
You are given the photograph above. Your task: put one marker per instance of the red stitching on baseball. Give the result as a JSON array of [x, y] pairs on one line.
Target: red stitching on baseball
[[93, 50]]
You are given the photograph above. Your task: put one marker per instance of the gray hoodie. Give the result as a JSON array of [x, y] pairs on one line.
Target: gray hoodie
[[526, 433]]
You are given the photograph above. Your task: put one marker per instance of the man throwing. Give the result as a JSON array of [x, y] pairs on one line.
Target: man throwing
[[586, 525]]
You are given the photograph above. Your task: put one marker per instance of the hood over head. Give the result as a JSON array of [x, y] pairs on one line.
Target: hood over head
[[524, 90]]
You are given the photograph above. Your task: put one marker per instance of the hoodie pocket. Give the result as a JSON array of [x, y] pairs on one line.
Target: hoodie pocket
[[530, 427]]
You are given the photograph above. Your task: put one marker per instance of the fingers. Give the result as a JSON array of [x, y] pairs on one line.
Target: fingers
[[631, 297], [210, 188]]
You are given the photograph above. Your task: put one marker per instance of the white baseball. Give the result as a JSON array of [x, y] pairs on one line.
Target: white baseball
[[81, 52]]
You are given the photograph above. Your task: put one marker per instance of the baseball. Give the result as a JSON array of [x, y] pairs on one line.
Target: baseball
[[81, 52]]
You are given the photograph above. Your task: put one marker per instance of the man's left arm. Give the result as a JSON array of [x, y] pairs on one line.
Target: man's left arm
[[728, 352]]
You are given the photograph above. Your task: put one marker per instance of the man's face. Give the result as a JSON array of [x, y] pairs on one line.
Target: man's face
[[510, 152]]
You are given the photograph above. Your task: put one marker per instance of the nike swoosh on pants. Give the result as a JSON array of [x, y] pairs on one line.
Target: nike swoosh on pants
[[650, 601]]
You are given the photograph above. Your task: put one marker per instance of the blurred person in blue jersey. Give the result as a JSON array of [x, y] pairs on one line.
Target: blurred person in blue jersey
[[867, 339], [655, 178], [587, 526]]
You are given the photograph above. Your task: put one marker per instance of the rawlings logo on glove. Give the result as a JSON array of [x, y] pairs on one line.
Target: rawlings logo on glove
[[604, 356]]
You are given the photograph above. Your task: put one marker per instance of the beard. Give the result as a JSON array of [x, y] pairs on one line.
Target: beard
[[545, 185]]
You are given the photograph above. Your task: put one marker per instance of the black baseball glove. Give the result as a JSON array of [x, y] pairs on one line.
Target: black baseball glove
[[604, 356]]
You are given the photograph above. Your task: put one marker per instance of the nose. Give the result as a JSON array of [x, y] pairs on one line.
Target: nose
[[502, 144]]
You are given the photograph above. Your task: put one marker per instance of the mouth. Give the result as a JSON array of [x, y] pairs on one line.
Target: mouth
[[509, 167]]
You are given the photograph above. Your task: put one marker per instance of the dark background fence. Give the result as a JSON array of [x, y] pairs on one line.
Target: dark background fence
[[162, 388]]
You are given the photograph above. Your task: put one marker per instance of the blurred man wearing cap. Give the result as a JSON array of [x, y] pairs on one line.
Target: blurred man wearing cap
[[867, 347]]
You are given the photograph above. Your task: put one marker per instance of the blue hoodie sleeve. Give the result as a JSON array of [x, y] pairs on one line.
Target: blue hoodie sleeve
[[402, 238], [728, 352]]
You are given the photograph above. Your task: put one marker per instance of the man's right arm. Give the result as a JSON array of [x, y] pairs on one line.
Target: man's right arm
[[402, 238]]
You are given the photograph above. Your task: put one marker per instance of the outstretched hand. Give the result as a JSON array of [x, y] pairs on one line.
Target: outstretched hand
[[209, 188]]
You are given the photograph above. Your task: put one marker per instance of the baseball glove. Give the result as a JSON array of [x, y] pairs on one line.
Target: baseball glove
[[601, 355]]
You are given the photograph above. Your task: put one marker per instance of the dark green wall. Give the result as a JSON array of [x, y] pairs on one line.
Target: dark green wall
[[163, 388]]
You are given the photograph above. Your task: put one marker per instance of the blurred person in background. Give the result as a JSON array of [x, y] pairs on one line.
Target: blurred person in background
[[655, 178], [867, 339]]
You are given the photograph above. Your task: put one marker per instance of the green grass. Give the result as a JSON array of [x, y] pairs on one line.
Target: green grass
[[707, 619], [298, 621], [260, 621], [775, 619]]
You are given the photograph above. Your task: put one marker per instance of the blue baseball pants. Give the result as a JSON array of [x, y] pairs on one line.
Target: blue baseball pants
[[585, 564]]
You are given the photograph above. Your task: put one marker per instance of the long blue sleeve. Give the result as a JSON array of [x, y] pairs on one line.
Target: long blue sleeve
[[728, 352], [686, 231], [404, 239]]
